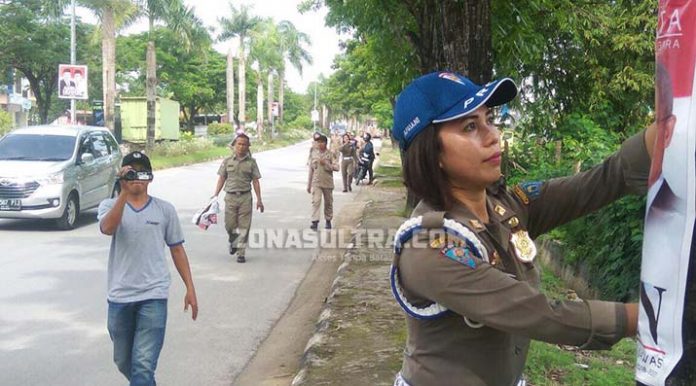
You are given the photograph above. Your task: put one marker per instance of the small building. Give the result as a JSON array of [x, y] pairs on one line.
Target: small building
[[134, 119]]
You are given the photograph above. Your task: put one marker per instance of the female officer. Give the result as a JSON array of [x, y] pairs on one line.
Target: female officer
[[463, 268]]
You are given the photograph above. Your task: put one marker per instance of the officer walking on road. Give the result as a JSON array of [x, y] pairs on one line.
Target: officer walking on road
[[320, 184], [237, 174], [348, 157]]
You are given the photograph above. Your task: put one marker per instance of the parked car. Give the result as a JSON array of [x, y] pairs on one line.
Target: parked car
[[54, 172]]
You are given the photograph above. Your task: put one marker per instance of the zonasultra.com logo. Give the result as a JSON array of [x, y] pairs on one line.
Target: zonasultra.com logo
[[366, 244]]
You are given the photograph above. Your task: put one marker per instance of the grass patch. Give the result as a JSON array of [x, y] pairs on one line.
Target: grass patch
[[164, 162], [388, 172], [191, 150], [549, 364]]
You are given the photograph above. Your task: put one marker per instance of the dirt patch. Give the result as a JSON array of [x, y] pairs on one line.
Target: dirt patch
[[361, 337]]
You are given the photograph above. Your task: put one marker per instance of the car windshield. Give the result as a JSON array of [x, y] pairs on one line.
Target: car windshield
[[35, 147]]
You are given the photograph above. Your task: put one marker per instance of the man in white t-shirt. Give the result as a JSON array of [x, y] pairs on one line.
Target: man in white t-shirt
[[138, 275]]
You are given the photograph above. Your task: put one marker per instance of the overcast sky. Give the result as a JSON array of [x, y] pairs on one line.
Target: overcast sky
[[324, 40]]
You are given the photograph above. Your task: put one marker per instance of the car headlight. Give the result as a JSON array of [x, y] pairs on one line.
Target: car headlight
[[51, 179]]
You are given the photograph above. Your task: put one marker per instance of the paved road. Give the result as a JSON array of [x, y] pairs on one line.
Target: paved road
[[53, 286]]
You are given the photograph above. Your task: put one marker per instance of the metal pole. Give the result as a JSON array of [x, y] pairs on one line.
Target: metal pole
[[72, 55], [314, 121]]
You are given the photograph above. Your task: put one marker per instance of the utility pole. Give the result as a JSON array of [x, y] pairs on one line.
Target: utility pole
[[72, 56], [315, 113]]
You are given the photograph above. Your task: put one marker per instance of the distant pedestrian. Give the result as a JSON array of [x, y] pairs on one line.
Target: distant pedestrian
[[368, 154], [312, 149], [237, 174], [348, 153], [320, 184], [138, 277]]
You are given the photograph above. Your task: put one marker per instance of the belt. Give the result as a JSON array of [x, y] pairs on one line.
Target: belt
[[239, 193], [347, 158]]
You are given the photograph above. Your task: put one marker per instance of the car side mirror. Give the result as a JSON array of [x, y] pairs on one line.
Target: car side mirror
[[86, 158]]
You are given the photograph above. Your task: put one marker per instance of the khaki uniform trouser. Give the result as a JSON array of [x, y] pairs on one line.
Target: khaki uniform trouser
[[238, 219], [317, 194], [347, 172]]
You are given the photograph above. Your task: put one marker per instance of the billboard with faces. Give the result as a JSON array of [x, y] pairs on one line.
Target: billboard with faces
[[669, 218], [72, 81]]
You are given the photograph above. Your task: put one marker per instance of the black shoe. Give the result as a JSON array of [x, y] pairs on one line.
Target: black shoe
[[328, 224], [314, 226], [350, 188], [241, 259], [345, 190], [233, 249]]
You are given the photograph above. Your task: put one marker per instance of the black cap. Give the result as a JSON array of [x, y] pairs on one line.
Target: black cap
[[137, 157], [321, 138]]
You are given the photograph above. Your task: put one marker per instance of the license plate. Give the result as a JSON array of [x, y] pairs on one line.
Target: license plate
[[10, 204]]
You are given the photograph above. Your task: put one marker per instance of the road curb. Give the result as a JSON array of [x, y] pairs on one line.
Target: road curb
[[323, 321]]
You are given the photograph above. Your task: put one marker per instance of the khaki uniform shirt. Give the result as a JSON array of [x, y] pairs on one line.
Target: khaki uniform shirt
[[503, 295], [239, 173], [322, 176], [348, 151]]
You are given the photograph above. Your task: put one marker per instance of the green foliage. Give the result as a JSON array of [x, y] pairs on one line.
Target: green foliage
[[181, 147], [605, 247], [300, 122], [5, 122], [194, 78], [578, 57], [35, 44], [220, 128]]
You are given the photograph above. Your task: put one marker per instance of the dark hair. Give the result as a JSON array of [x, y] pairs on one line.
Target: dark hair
[[322, 138], [422, 171], [241, 135]]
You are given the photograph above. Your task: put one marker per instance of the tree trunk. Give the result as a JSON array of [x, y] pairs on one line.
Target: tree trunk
[[281, 95], [230, 87], [43, 104], [109, 67], [150, 86], [455, 36], [259, 107], [151, 83], [242, 85], [269, 104]]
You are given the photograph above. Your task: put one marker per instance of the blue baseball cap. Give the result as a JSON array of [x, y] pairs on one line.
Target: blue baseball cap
[[441, 97]]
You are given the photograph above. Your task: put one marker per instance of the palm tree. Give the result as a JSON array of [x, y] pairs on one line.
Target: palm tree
[[183, 22], [113, 15], [291, 48], [265, 53], [239, 26]]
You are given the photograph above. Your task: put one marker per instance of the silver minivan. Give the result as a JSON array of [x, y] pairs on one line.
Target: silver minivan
[[54, 172]]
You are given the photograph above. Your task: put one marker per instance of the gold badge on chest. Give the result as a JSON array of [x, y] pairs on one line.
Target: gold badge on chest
[[524, 246]]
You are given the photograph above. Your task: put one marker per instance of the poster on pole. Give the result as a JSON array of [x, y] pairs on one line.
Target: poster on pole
[[669, 217], [72, 81]]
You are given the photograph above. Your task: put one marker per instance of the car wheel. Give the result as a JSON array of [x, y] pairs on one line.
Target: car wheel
[[70, 213]]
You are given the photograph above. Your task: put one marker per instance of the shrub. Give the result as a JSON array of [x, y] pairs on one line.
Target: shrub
[[604, 247], [301, 122], [5, 122], [220, 128], [175, 148]]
